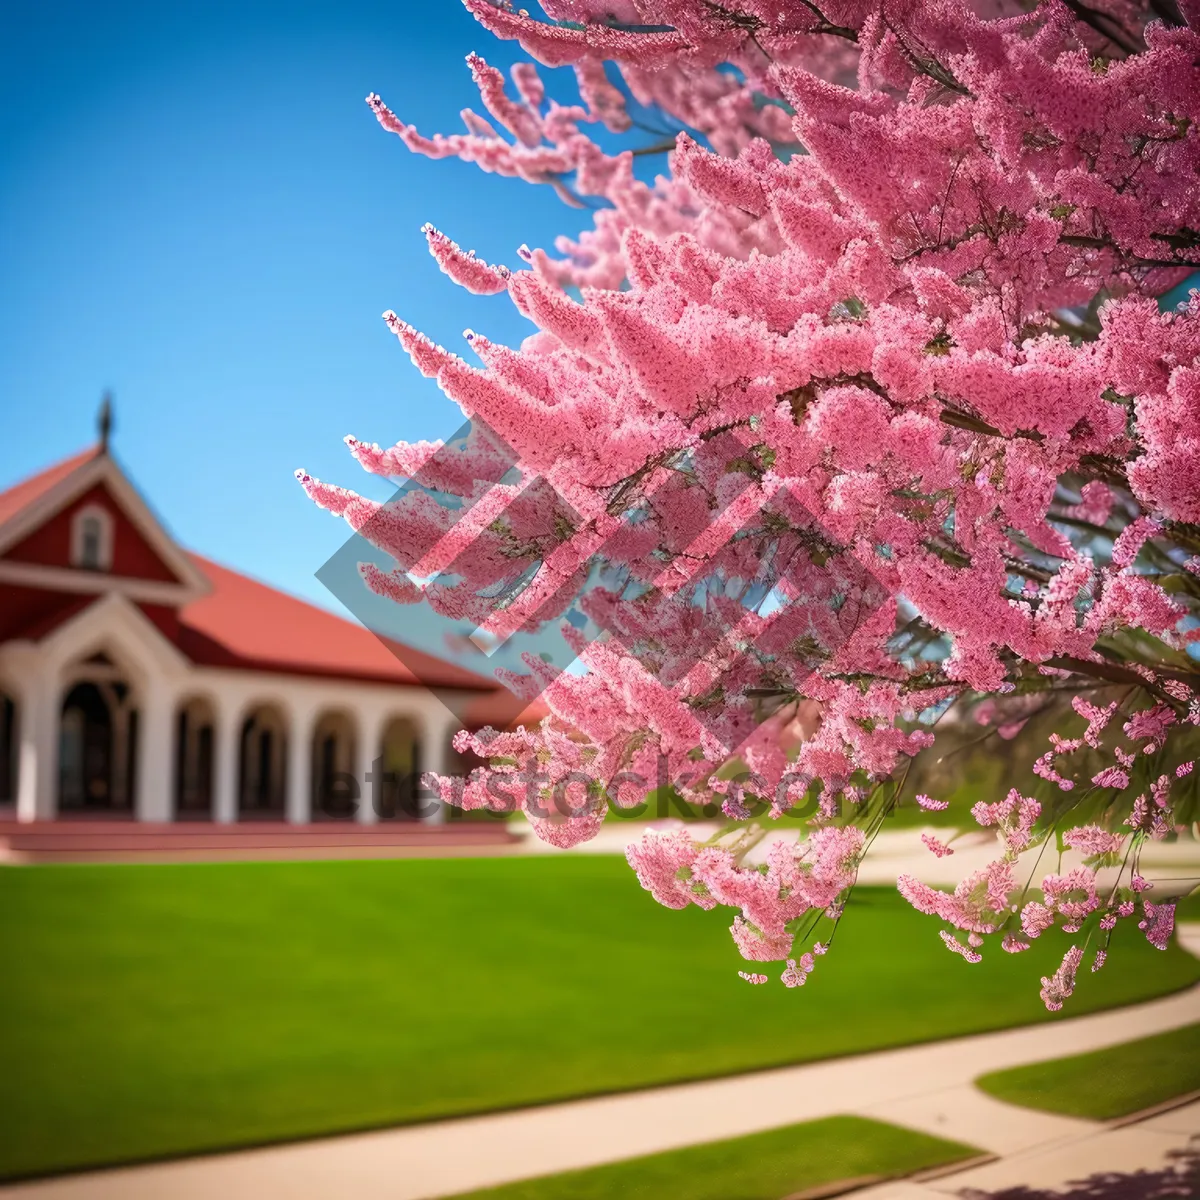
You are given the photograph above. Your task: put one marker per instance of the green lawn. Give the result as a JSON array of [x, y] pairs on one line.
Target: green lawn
[[763, 1166], [1106, 1083], [159, 1010]]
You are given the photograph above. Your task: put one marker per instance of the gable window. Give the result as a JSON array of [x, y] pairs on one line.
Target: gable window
[[92, 538]]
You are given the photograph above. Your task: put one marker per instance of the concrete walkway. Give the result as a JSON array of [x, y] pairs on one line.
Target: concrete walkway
[[1174, 865], [1056, 1165], [922, 1087]]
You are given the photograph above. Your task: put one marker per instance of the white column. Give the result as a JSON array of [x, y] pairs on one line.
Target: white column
[[155, 799], [299, 766], [438, 756], [227, 748], [367, 747], [37, 754]]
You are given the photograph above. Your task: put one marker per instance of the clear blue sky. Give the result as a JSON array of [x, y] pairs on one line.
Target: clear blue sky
[[198, 211]]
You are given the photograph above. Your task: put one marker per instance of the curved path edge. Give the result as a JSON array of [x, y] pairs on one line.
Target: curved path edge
[[926, 1087]]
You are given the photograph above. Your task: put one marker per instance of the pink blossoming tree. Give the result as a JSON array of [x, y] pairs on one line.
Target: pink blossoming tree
[[860, 422]]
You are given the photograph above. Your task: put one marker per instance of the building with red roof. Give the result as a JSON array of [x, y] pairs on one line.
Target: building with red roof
[[140, 680]]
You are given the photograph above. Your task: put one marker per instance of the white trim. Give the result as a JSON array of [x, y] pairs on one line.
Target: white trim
[[104, 537], [103, 469], [114, 622], [96, 583]]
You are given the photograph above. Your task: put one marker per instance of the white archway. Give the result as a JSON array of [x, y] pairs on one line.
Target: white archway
[[262, 763], [397, 794], [334, 791], [195, 758], [98, 720]]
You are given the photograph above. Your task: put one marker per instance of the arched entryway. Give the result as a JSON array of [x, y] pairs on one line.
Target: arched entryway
[[8, 749], [195, 723], [397, 790], [335, 792], [98, 733], [262, 764]]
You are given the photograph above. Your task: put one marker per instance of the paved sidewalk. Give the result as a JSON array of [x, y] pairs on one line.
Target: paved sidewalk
[[923, 1087], [898, 851], [1055, 1166]]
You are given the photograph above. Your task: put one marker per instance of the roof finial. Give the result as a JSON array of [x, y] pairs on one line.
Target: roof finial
[[104, 421]]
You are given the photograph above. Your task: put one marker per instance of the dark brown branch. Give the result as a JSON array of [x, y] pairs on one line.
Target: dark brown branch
[[827, 26], [1104, 25], [1114, 673]]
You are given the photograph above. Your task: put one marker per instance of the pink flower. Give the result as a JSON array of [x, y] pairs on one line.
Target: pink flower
[[1158, 923], [752, 978], [796, 974], [952, 943], [1151, 724], [938, 847], [808, 441], [1036, 918], [1073, 895], [757, 946], [1057, 988], [930, 804], [1097, 718], [663, 861], [463, 267], [1015, 816], [975, 904], [1091, 840]]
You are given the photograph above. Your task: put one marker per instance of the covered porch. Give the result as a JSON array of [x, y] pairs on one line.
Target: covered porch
[[105, 720]]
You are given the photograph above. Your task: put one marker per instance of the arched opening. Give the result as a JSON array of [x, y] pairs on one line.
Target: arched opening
[[194, 736], [262, 764], [335, 789], [8, 749], [396, 787], [98, 733]]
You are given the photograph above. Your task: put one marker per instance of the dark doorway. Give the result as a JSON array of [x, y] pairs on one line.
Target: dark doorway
[[398, 795], [96, 748], [194, 761], [8, 749], [261, 785]]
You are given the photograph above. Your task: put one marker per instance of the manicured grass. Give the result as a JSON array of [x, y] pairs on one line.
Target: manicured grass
[[763, 1166], [160, 1010], [1106, 1083]]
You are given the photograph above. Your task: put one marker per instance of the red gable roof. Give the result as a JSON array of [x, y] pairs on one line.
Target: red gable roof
[[246, 623], [242, 623], [23, 494]]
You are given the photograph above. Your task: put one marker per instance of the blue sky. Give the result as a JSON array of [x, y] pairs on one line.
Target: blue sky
[[198, 211]]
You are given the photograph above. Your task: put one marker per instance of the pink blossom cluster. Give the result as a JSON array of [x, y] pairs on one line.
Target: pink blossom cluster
[[1057, 989], [864, 410], [800, 882]]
